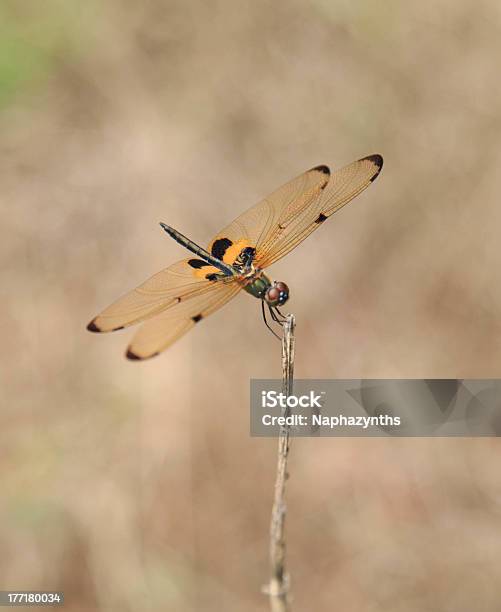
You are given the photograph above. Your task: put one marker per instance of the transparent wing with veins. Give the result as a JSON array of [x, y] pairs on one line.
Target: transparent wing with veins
[[277, 224]]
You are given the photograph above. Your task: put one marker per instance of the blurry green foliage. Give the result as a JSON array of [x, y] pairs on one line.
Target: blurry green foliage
[[33, 37]]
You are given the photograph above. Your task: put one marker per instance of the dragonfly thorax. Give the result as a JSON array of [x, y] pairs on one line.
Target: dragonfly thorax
[[255, 281], [243, 262]]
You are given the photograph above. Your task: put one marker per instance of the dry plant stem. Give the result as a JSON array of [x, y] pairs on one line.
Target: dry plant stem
[[279, 583]]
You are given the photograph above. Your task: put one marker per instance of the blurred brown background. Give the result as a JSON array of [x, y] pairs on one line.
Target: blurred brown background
[[136, 486]]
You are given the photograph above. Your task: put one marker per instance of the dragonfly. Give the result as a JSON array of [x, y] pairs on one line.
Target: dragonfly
[[177, 298]]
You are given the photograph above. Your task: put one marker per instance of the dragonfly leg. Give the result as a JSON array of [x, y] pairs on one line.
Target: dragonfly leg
[[277, 316], [266, 322], [280, 313]]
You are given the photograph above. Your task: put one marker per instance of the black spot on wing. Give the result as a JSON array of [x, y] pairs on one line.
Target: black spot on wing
[[321, 218], [211, 277], [197, 263], [197, 318], [92, 327], [220, 247]]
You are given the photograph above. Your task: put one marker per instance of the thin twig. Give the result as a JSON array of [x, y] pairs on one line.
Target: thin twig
[[278, 587]]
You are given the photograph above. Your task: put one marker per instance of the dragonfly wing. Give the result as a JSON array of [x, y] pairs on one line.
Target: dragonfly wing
[[343, 186], [156, 335], [281, 221], [261, 223], [183, 281]]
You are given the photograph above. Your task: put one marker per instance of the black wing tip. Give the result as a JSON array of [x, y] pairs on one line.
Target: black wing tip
[[323, 169], [92, 327], [133, 357], [375, 159]]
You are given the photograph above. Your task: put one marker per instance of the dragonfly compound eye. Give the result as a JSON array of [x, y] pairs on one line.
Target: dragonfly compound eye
[[277, 294]]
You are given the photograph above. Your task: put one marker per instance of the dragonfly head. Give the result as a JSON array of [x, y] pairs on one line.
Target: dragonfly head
[[277, 294]]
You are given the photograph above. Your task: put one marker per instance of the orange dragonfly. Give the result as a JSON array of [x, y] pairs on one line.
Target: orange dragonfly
[[177, 298]]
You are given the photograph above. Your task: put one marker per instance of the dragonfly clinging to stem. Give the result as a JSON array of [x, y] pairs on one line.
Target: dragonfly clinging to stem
[[174, 300]]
